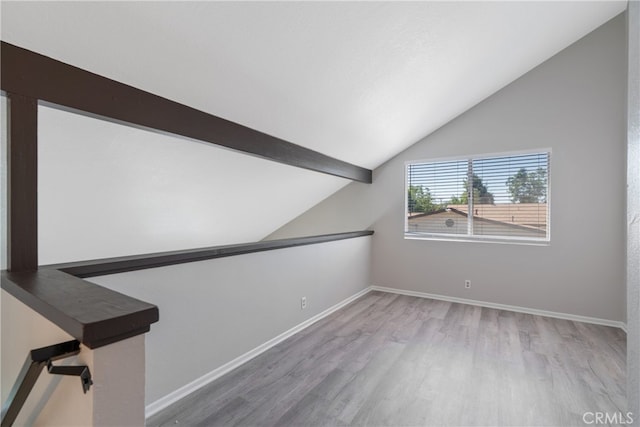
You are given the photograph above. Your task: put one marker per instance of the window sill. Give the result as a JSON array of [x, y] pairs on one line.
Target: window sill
[[467, 239]]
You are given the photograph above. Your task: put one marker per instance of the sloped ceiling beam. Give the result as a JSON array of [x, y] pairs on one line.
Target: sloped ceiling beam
[[39, 77]]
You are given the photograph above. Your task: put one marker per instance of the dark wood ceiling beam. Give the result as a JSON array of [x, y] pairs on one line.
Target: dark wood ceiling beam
[[37, 76]]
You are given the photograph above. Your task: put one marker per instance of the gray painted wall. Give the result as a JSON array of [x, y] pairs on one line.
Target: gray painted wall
[[573, 103], [214, 311], [633, 212]]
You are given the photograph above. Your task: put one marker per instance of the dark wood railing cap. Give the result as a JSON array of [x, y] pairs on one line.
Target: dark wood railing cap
[[92, 314], [102, 267], [97, 316]]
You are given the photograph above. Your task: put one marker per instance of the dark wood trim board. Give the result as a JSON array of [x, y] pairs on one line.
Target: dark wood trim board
[[92, 314], [22, 183], [139, 262], [98, 316], [43, 78]]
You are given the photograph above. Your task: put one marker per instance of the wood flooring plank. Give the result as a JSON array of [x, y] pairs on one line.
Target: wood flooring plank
[[395, 400], [392, 360], [352, 397], [226, 415], [345, 315], [312, 409]]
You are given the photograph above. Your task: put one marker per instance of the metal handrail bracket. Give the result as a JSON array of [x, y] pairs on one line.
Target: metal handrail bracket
[[36, 360]]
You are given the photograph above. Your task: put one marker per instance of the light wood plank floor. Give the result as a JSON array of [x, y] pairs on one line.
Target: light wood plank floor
[[392, 360]]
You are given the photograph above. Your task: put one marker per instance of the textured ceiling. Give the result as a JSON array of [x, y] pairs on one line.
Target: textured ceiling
[[359, 81]]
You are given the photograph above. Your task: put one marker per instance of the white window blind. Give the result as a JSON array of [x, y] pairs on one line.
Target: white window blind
[[481, 198]]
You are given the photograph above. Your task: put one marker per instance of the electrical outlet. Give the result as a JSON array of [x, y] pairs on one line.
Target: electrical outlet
[[303, 303], [467, 284]]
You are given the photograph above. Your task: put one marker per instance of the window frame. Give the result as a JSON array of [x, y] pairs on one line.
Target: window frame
[[477, 238]]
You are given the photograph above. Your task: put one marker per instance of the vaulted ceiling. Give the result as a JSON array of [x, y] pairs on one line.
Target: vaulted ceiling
[[359, 81]]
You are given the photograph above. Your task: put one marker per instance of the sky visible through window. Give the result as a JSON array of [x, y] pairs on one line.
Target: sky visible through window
[[445, 181]]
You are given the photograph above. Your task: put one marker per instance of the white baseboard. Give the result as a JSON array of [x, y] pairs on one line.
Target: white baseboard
[[187, 389], [515, 308]]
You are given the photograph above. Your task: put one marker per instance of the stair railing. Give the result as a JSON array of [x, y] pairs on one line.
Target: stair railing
[[36, 360]]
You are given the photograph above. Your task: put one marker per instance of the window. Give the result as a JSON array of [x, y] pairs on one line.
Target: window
[[509, 198]]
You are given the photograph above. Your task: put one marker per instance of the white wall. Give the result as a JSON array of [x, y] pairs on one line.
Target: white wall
[[107, 190], [3, 182], [633, 212], [119, 375], [573, 103], [214, 311]]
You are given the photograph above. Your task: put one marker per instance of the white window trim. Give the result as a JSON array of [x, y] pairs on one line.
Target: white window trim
[[531, 241]]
